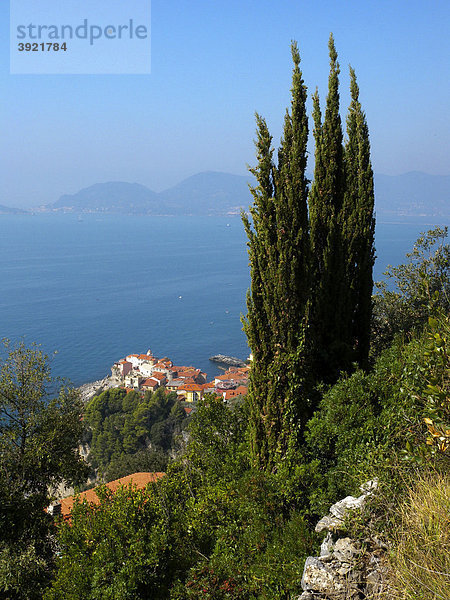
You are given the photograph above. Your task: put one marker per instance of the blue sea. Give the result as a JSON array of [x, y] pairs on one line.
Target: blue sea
[[95, 288]]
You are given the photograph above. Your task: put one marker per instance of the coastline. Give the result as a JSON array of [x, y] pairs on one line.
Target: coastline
[[93, 388]]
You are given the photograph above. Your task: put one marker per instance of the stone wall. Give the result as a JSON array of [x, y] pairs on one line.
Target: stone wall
[[347, 569]]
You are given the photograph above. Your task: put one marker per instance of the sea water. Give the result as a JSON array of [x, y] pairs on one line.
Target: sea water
[[93, 288]]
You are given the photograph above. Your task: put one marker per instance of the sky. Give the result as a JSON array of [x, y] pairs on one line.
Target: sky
[[213, 64]]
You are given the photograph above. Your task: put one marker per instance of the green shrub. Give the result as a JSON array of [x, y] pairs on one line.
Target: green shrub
[[410, 290], [368, 420], [121, 426], [115, 550]]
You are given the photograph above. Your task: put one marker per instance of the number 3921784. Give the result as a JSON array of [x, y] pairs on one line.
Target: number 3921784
[[41, 47]]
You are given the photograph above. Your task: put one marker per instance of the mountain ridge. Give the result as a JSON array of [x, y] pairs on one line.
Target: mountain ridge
[[208, 192], [215, 193], [8, 210]]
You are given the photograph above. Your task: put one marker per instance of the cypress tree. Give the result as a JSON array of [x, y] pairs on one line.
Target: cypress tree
[[331, 328], [358, 224], [278, 246], [311, 258]]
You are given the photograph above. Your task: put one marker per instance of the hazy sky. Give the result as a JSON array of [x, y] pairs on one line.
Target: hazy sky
[[214, 64]]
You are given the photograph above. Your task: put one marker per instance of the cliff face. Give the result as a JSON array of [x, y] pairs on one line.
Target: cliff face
[[89, 390], [347, 569]]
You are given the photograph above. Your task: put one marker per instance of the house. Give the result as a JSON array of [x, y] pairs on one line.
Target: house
[[193, 392], [233, 377], [141, 359], [132, 380], [223, 386], [209, 388], [159, 377], [151, 384], [239, 391], [191, 373], [166, 362], [138, 480], [174, 384], [146, 369], [121, 368], [164, 368]]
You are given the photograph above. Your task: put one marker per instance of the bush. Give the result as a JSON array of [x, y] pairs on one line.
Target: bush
[[115, 550], [367, 422], [410, 290]]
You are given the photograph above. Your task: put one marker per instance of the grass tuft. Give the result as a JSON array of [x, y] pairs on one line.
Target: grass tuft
[[421, 549]]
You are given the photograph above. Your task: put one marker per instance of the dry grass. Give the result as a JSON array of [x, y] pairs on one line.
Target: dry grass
[[421, 556]]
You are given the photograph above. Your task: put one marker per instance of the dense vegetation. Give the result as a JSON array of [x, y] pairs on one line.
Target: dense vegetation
[[38, 451], [217, 527], [127, 433]]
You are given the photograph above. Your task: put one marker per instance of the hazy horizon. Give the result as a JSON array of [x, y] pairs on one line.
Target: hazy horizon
[[31, 205], [213, 66]]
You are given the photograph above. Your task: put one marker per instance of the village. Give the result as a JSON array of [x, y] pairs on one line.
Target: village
[[145, 372]]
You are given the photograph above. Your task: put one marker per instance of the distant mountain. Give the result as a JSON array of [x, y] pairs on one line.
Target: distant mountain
[[7, 210], [210, 192], [202, 194], [213, 193], [114, 196], [413, 194]]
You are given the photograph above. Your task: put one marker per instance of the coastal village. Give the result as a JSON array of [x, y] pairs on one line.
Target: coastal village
[[145, 372]]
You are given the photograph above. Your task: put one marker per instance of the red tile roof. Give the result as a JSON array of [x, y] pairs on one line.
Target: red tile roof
[[242, 389], [158, 376], [209, 386], [186, 380], [191, 387], [140, 480], [226, 377], [150, 382]]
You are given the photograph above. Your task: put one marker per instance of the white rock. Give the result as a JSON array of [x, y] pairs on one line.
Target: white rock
[[345, 550], [342, 508], [370, 486], [329, 524], [317, 577], [327, 545]]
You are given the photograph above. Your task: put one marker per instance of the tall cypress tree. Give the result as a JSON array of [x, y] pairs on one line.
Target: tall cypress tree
[[331, 329], [309, 305], [278, 246], [358, 224]]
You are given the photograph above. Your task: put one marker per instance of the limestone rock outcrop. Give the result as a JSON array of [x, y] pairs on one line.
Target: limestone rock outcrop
[[346, 569]]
